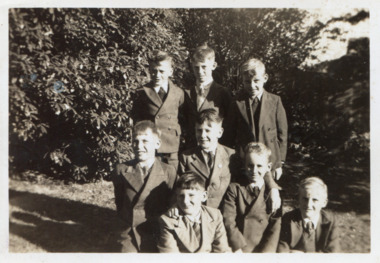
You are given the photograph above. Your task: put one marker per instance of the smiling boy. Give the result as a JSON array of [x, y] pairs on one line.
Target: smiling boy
[[142, 191], [198, 228], [310, 228], [250, 225]]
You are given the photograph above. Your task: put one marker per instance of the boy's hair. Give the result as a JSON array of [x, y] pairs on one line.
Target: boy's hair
[[202, 53], [191, 181], [313, 182], [159, 56], [259, 148], [142, 126], [210, 115], [252, 63]]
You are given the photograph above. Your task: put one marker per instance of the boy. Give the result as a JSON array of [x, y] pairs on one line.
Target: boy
[[198, 228], [215, 162], [206, 93], [257, 115], [142, 190], [159, 101], [309, 228], [250, 226]]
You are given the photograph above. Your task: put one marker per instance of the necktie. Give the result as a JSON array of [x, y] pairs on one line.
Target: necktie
[[197, 230], [255, 190], [210, 161], [162, 94], [255, 116], [309, 227]]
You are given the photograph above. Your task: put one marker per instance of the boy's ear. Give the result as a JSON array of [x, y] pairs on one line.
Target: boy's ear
[[171, 72], [265, 77], [214, 65], [204, 196], [157, 144], [270, 166], [325, 203], [220, 133]]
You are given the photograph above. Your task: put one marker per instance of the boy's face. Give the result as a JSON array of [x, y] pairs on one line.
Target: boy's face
[[190, 200], [145, 143], [208, 134], [160, 72], [254, 80], [256, 166], [203, 69], [311, 201]]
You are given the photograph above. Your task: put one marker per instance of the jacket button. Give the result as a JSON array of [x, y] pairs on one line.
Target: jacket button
[[260, 220], [157, 117], [268, 129]]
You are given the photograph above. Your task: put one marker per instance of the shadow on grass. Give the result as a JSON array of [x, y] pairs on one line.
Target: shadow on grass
[[59, 225]]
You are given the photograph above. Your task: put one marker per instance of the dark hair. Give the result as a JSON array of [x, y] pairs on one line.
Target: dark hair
[[142, 126], [190, 180], [158, 56], [259, 148], [202, 53], [210, 115]]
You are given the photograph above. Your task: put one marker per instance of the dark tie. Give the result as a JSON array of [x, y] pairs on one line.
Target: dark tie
[[255, 190], [210, 161], [255, 116], [197, 230], [309, 227], [254, 105], [162, 94]]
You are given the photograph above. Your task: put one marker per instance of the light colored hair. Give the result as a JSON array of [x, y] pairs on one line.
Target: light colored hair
[[313, 182], [202, 53], [144, 125], [159, 56], [252, 64], [259, 148]]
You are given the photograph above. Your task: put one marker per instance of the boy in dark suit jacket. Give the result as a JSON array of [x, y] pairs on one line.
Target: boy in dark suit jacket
[[310, 228], [206, 93], [250, 225], [160, 101], [257, 115], [142, 191], [198, 228], [216, 163]]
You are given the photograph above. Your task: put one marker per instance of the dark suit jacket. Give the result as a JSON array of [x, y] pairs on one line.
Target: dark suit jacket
[[217, 181], [139, 205], [249, 224], [327, 232], [218, 98], [175, 235], [147, 105], [273, 126]]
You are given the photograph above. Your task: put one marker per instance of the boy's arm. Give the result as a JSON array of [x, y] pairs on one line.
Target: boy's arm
[[166, 242], [220, 243], [282, 131], [117, 180], [229, 126], [235, 237], [271, 236], [274, 200], [285, 235]]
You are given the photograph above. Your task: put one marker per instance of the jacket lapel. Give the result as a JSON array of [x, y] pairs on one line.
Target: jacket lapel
[[133, 177], [296, 229], [322, 227], [241, 104], [152, 95], [208, 102], [258, 203], [221, 159], [191, 93], [199, 164], [206, 229], [266, 107], [182, 230], [170, 97]]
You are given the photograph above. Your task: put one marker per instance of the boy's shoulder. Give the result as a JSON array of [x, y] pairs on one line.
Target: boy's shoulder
[[130, 165]]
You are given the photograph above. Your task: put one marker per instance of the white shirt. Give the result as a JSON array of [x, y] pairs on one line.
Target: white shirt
[[201, 90], [205, 154], [258, 96], [313, 220], [165, 88], [147, 165], [194, 219], [258, 184]]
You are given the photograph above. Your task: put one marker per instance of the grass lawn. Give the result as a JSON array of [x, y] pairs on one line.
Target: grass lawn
[[50, 216]]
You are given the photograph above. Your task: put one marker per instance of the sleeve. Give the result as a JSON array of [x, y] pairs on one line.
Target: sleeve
[[271, 236], [117, 180], [284, 242], [235, 237], [136, 107], [269, 181], [229, 126], [333, 240], [282, 130], [166, 242], [220, 243], [182, 165]]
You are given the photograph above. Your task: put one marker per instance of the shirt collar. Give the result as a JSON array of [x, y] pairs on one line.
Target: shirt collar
[[165, 87], [205, 85], [194, 219], [147, 165], [259, 184], [258, 96], [314, 220], [206, 153]]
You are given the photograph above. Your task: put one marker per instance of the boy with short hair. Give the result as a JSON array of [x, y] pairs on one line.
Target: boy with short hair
[[257, 115], [310, 228], [250, 225], [160, 101], [198, 228], [206, 93], [142, 190], [216, 163]]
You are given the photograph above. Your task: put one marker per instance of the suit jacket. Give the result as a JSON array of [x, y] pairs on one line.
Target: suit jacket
[[327, 232], [140, 204], [148, 106], [218, 98], [249, 224], [176, 235], [273, 126], [218, 180]]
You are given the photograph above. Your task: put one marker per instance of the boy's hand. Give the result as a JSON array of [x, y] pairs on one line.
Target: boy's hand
[[278, 173], [173, 213], [274, 197], [239, 251]]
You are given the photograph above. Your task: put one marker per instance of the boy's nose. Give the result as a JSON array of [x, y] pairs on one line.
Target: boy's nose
[[310, 203]]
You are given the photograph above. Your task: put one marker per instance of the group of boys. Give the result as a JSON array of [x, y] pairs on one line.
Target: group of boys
[[211, 198]]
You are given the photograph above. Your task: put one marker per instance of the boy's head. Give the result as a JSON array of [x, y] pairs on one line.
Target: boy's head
[[208, 129], [160, 68], [257, 161], [191, 193], [203, 63], [254, 76], [312, 197], [146, 140]]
